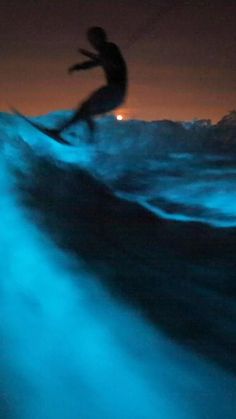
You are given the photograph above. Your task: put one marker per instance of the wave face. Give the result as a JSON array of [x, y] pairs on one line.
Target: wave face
[[118, 270]]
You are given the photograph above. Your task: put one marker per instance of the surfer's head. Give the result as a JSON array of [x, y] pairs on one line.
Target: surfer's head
[[97, 36]]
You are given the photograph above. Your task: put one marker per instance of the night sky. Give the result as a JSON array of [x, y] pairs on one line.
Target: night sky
[[181, 55]]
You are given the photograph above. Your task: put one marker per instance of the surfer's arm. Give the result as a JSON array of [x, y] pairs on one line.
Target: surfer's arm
[[83, 66], [89, 54]]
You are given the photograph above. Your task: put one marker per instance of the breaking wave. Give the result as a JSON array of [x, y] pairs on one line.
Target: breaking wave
[[118, 270]]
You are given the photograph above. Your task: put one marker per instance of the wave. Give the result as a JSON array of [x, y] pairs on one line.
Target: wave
[[177, 170], [116, 270]]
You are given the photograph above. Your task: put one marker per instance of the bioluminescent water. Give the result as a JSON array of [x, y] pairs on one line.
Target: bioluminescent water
[[118, 271]]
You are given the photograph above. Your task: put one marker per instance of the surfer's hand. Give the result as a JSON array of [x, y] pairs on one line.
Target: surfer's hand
[[83, 51]]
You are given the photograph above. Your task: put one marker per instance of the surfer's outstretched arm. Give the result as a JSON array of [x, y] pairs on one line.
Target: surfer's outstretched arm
[[84, 66], [89, 54]]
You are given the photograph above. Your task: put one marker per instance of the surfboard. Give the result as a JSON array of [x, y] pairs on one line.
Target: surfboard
[[46, 131]]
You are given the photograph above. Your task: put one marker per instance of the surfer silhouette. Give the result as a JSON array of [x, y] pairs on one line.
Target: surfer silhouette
[[112, 94]]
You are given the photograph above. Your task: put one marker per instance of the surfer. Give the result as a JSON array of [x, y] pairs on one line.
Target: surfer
[[112, 94]]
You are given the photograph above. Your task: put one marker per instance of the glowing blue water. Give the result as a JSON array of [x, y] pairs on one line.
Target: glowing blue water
[[67, 348]]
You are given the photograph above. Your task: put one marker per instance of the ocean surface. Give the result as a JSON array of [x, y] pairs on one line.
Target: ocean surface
[[117, 291]]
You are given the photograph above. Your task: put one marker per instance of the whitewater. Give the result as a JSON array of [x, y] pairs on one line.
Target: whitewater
[[117, 267]]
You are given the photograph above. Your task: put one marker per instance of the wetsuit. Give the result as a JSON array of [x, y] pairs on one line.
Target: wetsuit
[[109, 96]]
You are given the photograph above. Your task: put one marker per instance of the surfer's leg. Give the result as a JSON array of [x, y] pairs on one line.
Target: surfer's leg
[[81, 114], [104, 100], [91, 124], [101, 101]]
